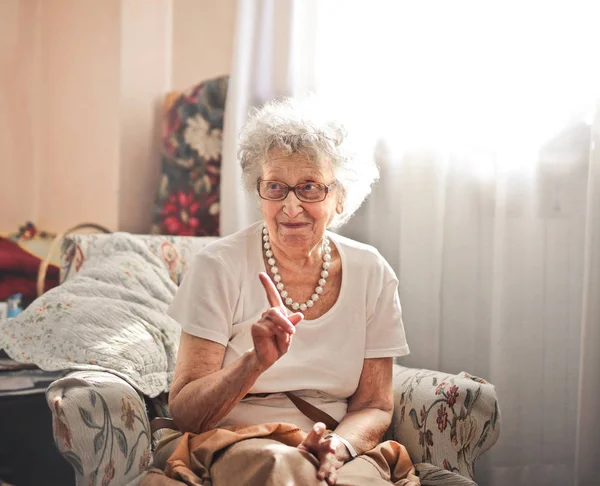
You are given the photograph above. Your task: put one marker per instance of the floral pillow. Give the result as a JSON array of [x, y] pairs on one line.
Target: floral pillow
[[187, 201]]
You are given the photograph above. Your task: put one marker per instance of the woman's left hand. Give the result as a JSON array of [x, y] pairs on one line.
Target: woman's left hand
[[325, 452]]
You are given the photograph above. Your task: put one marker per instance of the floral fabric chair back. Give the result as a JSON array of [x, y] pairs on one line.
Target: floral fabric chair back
[[187, 200], [175, 251]]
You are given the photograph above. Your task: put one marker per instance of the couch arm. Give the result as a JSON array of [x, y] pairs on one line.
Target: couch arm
[[445, 420], [100, 426]]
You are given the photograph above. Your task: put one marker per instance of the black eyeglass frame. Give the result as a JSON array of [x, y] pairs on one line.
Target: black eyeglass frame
[[293, 188]]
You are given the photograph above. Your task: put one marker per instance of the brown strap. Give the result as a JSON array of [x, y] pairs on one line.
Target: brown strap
[[312, 412], [308, 409], [162, 423]]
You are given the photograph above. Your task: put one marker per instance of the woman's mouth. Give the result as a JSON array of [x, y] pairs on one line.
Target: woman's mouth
[[294, 225]]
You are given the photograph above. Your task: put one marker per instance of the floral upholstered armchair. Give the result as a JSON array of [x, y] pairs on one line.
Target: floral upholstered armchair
[[101, 418]]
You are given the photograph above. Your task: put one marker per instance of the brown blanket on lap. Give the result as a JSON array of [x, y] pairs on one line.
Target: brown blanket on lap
[[188, 457]]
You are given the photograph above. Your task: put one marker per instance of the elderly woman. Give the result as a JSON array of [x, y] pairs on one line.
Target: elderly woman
[[287, 306]]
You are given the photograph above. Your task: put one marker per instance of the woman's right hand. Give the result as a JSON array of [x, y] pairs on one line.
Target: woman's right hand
[[272, 334]]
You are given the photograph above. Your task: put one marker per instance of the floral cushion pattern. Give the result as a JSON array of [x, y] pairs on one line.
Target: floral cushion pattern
[[174, 251], [187, 200], [445, 420], [101, 427]]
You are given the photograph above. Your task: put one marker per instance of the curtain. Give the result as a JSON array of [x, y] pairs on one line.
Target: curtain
[[588, 430], [273, 56], [488, 206]]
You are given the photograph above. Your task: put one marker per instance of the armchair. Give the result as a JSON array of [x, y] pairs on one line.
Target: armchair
[[101, 423]]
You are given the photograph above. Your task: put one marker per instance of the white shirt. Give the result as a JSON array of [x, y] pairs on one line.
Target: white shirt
[[221, 297]]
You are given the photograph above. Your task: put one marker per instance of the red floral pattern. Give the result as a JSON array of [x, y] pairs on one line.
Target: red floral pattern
[[144, 461], [452, 406], [128, 415], [442, 418], [109, 473], [61, 428], [187, 201], [180, 214], [452, 395]]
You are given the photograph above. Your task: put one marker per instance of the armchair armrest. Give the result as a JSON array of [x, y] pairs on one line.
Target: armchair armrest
[[100, 426], [443, 419]]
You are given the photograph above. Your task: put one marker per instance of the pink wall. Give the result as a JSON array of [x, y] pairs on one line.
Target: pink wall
[[81, 85], [19, 110], [79, 133], [145, 67], [203, 32]]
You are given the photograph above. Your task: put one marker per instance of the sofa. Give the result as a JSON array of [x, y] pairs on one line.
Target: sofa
[[101, 416]]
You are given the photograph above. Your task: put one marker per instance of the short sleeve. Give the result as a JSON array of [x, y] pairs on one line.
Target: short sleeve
[[206, 299], [385, 331]]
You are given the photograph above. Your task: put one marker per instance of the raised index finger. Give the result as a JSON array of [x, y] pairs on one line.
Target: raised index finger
[[272, 295]]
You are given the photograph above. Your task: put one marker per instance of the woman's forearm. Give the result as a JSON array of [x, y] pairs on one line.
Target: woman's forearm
[[363, 429], [201, 404]]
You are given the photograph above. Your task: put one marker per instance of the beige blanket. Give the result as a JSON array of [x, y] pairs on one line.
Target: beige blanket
[[267, 454]]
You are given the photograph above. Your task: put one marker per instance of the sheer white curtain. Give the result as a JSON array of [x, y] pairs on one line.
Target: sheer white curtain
[[588, 430], [488, 206], [274, 56]]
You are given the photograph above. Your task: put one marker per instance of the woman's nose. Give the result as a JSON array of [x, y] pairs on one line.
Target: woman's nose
[[292, 206]]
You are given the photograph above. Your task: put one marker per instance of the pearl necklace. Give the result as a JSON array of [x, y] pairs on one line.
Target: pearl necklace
[[277, 278]]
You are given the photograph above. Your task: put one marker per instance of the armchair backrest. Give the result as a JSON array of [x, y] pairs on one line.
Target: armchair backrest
[[175, 251]]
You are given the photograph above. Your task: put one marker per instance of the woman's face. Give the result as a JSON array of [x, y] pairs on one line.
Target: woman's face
[[293, 223]]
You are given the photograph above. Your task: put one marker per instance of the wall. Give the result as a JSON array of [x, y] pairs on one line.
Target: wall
[[19, 110], [203, 33], [145, 68], [79, 129], [81, 87]]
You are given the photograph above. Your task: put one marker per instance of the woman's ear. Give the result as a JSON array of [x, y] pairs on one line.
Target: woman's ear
[[339, 208]]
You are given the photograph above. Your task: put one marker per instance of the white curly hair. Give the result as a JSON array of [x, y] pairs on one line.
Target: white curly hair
[[303, 126]]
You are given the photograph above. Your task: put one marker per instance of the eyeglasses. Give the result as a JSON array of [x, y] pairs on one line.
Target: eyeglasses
[[305, 191]]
